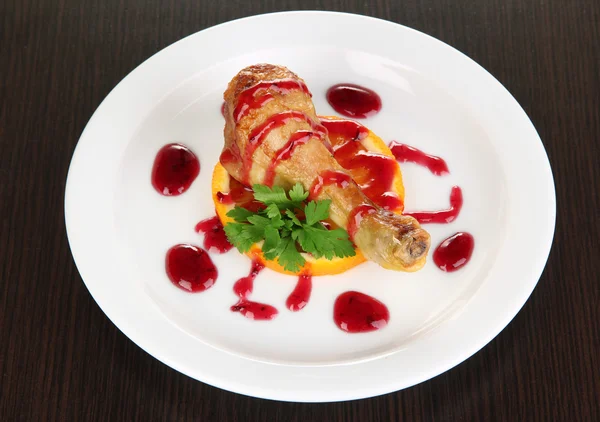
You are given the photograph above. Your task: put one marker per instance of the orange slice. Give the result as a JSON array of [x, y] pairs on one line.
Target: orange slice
[[315, 267]]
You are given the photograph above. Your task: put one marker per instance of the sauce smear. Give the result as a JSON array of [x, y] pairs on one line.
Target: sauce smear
[[373, 172], [454, 252], [175, 168], [353, 100], [345, 130], [259, 134], [328, 177], [258, 95], [356, 312], [229, 156], [406, 153], [190, 268], [442, 216], [243, 289], [298, 299], [215, 239], [284, 153], [241, 195]]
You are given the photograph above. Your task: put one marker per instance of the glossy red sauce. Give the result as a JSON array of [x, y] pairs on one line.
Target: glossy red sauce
[[190, 268], [229, 156], [356, 312], [284, 153], [175, 168], [345, 129], [224, 198], [261, 93], [454, 252], [299, 298], [259, 133], [406, 153], [373, 172], [353, 100], [243, 289], [356, 216], [215, 239], [329, 177], [223, 109], [442, 216], [240, 194]]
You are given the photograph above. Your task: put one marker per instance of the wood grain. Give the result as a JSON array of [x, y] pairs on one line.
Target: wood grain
[[62, 359]]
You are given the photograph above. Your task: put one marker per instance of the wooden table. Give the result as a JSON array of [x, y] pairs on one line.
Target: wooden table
[[62, 359]]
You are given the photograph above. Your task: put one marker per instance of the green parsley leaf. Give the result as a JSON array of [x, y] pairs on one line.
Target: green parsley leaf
[[267, 195], [297, 193], [277, 196], [288, 224], [259, 220], [316, 211], [274, 253], [272, 241], [272, 211], [290, 258], [293, 217], [243, 236], [240, 214], [321, 242]]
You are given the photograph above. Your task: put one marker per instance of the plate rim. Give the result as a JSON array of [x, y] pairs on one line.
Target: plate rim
[[284, 395]]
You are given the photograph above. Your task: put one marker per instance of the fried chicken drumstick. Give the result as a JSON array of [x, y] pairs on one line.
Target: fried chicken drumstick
[[270, 118]]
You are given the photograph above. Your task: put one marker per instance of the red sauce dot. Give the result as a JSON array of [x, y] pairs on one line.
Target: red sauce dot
[[190, 268], [298, 299], [354, 100], [255, 310], [454, 252], [356, 312], [215, 239], [175, 168]]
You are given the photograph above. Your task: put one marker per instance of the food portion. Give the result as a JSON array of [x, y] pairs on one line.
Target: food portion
[[306, 195], [273, 137]]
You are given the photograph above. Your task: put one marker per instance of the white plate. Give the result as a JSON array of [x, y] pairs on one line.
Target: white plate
[[434, 98]]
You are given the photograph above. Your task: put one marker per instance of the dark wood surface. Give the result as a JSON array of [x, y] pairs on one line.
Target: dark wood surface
[[62, 359]]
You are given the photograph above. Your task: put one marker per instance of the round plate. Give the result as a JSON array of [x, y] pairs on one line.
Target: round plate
[[434, 98]]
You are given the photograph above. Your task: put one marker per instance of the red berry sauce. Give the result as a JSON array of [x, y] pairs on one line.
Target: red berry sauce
[[356, 312], [298, 299], [243, 289], [175, 168], [190, 268], [454, 252], [406, 153], [215, 239], [354, 101]]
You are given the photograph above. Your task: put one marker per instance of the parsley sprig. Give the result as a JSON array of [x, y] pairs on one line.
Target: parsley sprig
[[288, 225]]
